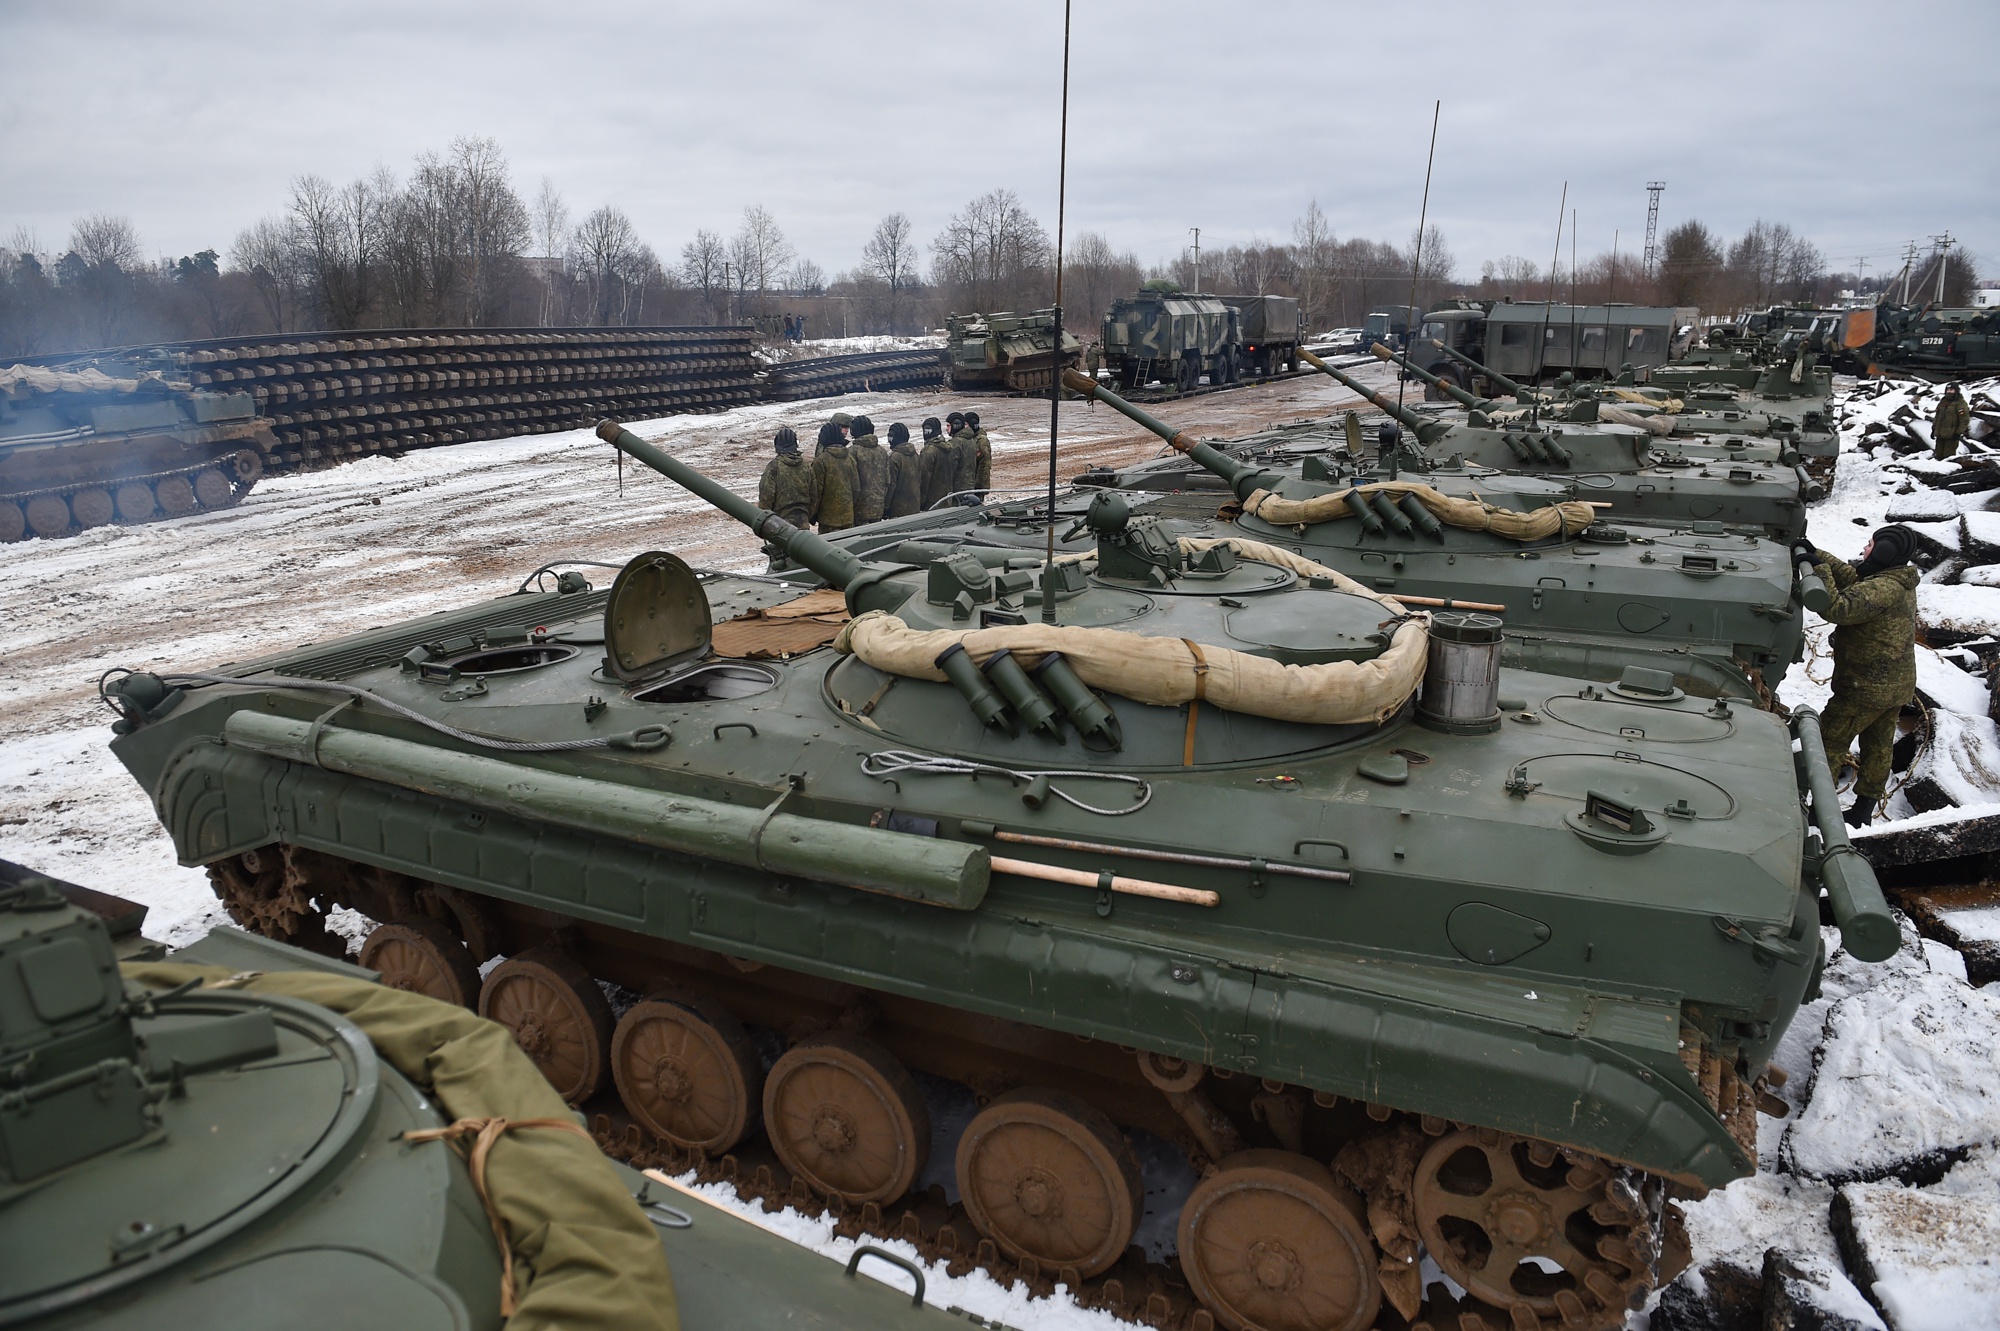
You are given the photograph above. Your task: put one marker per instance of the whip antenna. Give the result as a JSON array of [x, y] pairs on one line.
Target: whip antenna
[[1417, 250], [1555, 262], [1056, 364]]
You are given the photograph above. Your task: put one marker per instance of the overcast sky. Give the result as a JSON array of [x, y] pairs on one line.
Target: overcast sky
[[1861, 125]]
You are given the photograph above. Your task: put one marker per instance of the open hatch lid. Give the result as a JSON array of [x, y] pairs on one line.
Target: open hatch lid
[[657, 617]]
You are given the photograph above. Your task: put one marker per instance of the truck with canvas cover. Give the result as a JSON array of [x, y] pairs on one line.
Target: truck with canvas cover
[[1189, 848], [1535, 340], [1271, 329]]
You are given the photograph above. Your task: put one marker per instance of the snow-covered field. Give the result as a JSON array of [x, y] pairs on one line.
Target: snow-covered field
[[1894, 1135]]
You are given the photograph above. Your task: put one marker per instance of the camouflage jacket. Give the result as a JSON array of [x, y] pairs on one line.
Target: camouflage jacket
[[906, 481], [790, 489], [937, 468], [833, 469], [983, 460], [871, 477], [1951, 419], [1875, 629], [964, 460]]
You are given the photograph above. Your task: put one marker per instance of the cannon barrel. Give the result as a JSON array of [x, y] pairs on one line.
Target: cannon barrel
[[1243, 479], [861, 580], [1867, 929], [1445, 386], [1426, 431], [1521, 391]]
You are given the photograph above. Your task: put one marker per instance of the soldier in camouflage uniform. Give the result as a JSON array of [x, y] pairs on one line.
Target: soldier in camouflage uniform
[[982, 467], [840, 419], [789, 488], [871, 472], [964, 446], [1874, 614], [833, 470], [906, 482], [1948, 424], [937, 465]]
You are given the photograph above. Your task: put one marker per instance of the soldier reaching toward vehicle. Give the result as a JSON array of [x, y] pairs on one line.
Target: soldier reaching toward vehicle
[[937, 465], [1949, 423], [905, 482], [790, 487], [871, 472], [833, 473], [1873, 608]]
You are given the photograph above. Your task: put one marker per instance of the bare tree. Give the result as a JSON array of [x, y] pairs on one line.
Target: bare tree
[[492, 224], [551, 228], [1094, 275], [760, 251], [1690, 262], [268, 252], [808, 278], [614, 264], [103, 241], [103, 255], [702, 261], [890, 256], [992, 254], [1432, 262], [1312, 258]]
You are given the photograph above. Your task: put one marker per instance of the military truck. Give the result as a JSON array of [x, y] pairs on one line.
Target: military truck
[[1172, 337], [1014, 351], [1931, 342], [1533, 340], [85, 445], [1392, 326], [1271, 329]]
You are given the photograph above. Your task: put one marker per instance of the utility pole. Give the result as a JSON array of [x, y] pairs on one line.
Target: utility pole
[[1197, 259], [1653, 188], [1944, 244], [1909, 258]]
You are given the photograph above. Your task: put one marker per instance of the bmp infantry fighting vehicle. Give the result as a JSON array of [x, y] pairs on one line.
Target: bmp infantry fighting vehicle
[[1014, 351], [1188, 842], [82, 447], [1617, 464], [1583, 593], [1173, 337]]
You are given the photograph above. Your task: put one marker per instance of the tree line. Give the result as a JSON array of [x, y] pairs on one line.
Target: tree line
[[454, 243]]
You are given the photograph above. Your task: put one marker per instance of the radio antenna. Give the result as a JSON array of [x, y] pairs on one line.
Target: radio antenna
[[1555, 262], [1056, 362], [1417, 250]]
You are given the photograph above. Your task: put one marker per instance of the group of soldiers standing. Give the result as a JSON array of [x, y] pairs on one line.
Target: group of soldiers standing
[[852, 479]]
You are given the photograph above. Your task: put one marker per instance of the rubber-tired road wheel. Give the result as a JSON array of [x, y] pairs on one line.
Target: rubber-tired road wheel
[[1273, 1242], [135, 501], [213, 489], [48, 515], [176, 496], [846, 1117], [13, 522], [1045, 1175], [558, 1015], [421, 956], [92, 506], [688, 1072]]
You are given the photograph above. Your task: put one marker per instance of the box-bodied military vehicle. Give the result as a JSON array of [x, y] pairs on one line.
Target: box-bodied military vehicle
[[1534, 340], [1015, 351], [80, 448], [1173, 337], [1188, 844], [1270, 329]]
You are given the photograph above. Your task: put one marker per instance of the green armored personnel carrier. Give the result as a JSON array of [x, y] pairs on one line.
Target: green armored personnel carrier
[[80, 447], [1191, 843], [1015, 351]]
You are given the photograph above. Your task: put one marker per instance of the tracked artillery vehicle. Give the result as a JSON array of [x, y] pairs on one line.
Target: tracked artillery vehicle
[[1643, 477], [1195, 842], [80, 448]]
